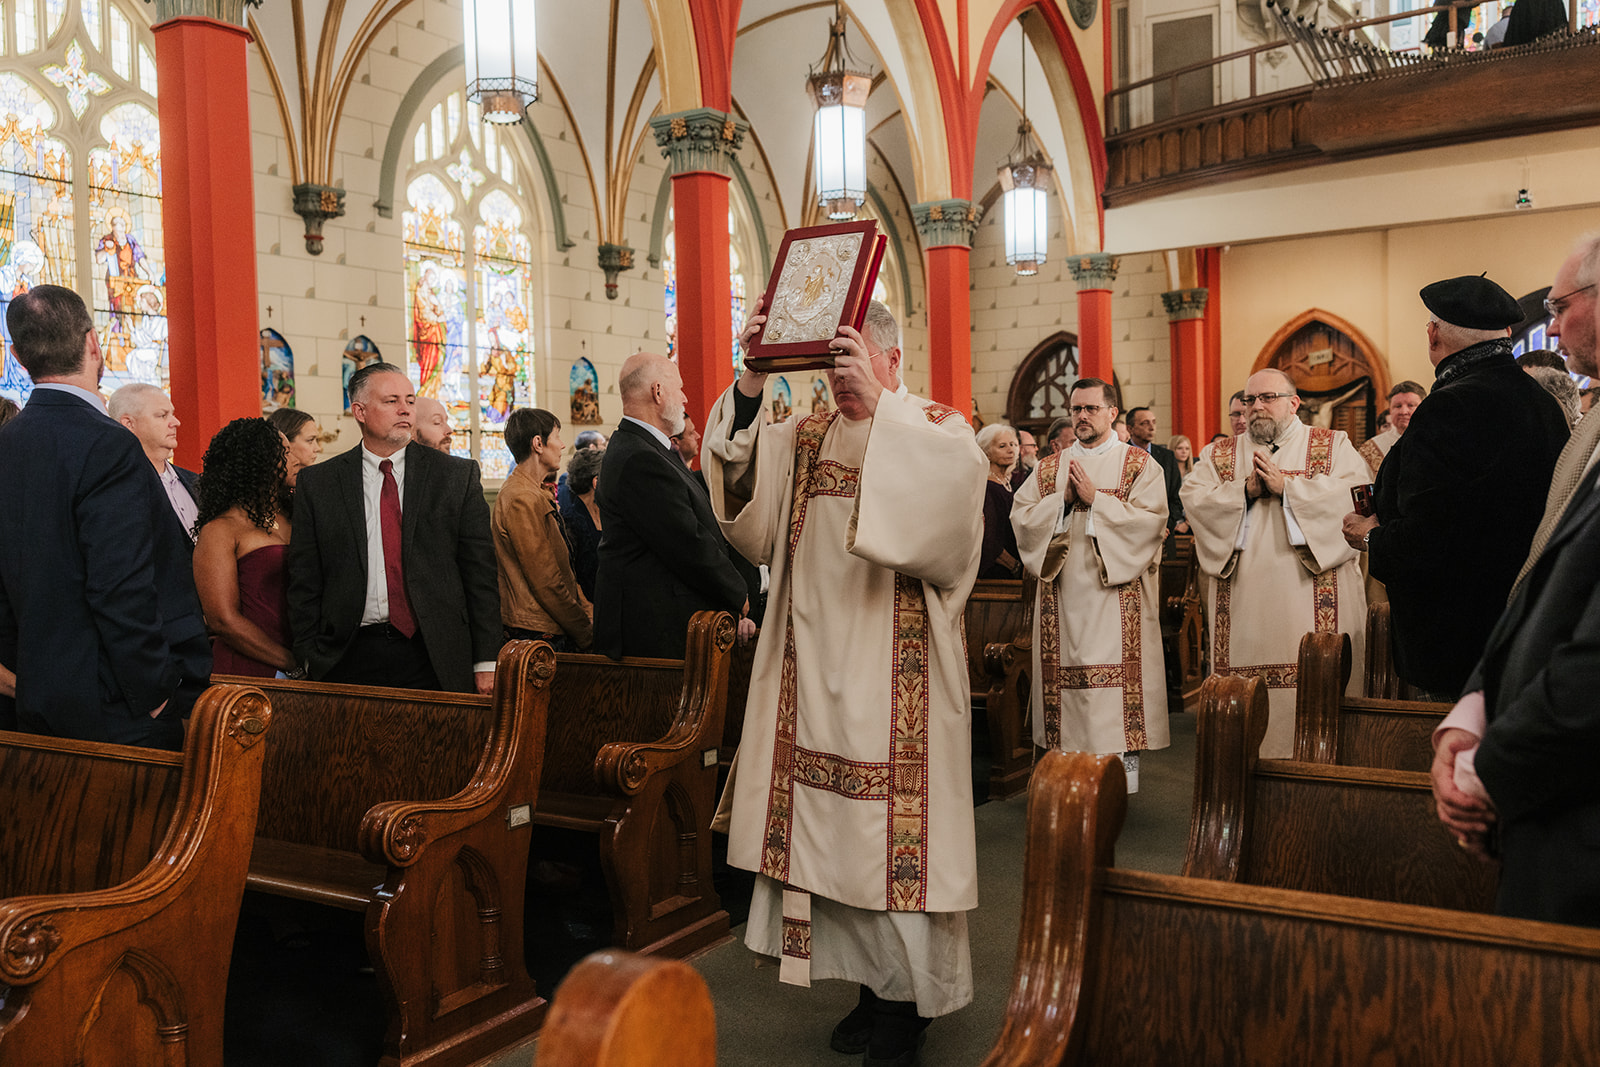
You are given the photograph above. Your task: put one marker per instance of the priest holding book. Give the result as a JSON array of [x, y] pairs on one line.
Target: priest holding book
[[851, 795]]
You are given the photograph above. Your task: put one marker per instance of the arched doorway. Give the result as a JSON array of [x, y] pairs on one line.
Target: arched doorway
[[1041, 388], [1342, 378]]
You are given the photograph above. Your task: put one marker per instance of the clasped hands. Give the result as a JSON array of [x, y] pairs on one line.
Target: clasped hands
[[1467, 816], [1079, 489], [1266, 477]]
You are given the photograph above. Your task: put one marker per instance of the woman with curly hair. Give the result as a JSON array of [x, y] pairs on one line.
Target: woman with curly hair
[[239, 553]]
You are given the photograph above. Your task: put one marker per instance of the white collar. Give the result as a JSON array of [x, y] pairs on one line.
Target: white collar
[[666, 442], [1080, 449]]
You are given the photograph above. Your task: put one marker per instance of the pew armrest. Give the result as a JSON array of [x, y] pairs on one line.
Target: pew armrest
[[397, 832], [624, 767], [204, 853]]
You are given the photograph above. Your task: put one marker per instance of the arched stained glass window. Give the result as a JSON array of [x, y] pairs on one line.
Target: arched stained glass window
[[469, 303], [80, 177]]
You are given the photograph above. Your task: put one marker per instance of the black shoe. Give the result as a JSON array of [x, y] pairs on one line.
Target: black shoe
[[855, 1030], [897, 1035]]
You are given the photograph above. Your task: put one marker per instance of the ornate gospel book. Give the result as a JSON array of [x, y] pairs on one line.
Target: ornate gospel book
[[822, 279]]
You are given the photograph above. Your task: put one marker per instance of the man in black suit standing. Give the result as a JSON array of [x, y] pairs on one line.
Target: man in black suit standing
[[389, 593], [1142, 434], [662, 557], [148, 412], [98, 611]]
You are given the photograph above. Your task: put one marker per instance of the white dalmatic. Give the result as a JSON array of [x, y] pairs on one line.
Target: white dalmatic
[[1278, 568], [1099, 677], [853, 778]]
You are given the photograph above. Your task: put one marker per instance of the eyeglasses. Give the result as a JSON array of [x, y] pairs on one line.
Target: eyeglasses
[[1559, 304], [1087, 409], [1250, 399]]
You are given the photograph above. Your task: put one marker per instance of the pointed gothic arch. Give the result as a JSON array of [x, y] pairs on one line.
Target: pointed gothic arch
[[1341, 376]]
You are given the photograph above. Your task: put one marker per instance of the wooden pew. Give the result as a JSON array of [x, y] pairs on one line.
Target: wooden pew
[[414, 808], [1353, 831], [631, 755], [121, 873], [999, 631], [1122, 968], [740, 666], [1183, 635], [1356, 731], [1381, 681], [618, 1009]]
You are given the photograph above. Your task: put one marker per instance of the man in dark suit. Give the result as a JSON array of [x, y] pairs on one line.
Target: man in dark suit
[[98, 611], [392, 576], [1456, 511], [149, 414], [1142, 434], [662, 557]]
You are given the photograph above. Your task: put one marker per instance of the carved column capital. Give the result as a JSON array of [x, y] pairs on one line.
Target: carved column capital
[[614, 259], [946, 222], [1182, 304], [317, 204], [700, 139], [1097, 270], [229, 11]]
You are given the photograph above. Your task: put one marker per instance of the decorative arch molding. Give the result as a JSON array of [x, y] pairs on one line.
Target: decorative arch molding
[[1352, 358], [881, 209], [1074, 96], [411, 103]]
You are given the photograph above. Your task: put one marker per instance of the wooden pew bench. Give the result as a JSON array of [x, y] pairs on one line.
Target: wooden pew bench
[[999, 631], [618, 1009], [414, 808], [1356, 731], [1352, 831], [1122, 968], [631, 756], [1183, 635], [121, 874]]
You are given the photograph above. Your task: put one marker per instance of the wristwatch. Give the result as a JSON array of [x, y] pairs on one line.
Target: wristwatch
[[1366, 540]]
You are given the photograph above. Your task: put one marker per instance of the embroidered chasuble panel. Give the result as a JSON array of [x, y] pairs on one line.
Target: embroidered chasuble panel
[[1126, 674], [900, 783]]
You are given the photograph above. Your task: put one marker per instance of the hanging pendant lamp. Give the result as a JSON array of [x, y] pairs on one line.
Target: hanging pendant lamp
[[839, 130], [502, 58], [1024, 176]]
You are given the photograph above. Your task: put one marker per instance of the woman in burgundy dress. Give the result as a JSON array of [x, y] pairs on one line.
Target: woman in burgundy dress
[[243, 534]]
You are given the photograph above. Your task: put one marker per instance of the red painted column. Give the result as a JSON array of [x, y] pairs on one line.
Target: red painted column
[[947, 228], [1190, 397], [1094, 274], [700, 146], [208, 222], [705, 315], [1209, 263]]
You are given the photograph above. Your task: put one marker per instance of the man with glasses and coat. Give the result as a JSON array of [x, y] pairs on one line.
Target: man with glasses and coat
[[1266, 509], [1456, 512]]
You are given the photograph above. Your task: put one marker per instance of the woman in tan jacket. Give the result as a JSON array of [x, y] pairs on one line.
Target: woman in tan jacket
[[539, 595]]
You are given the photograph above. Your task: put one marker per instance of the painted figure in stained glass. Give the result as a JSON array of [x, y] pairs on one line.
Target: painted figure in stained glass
[[507, 326], [357, 354], [277, 372], [428, 331], [583, 385], [819, 395], [23, 269], [782, 400], [122, 265], [149, 352]]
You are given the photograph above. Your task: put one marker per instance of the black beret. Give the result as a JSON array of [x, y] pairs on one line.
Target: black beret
[[1472, 301]]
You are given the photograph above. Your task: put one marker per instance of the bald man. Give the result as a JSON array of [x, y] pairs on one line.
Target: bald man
[[433, 427], [662, 557]]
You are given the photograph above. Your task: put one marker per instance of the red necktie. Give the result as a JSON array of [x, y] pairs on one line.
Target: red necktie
[[400, 616]]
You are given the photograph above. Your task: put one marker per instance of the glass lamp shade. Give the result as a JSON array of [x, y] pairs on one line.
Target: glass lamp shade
[[839, 142], [502, 57], [1026, 209]]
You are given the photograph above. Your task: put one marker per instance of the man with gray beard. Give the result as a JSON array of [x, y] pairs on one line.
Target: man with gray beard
[[1266, 508]]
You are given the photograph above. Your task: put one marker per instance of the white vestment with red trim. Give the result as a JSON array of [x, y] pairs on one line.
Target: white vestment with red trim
[[1099, 676], [1276, 573], [853, 778]]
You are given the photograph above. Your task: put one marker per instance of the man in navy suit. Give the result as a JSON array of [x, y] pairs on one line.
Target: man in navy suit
[[148, 412], [392, 573], [662, 557], [98, 611]]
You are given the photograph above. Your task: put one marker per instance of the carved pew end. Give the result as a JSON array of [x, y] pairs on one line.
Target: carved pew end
[[618, 1009]]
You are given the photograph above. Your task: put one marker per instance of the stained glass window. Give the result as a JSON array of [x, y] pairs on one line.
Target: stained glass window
[[469, 303], [736, 286], [80, 179]]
